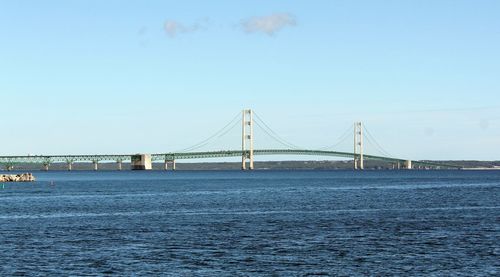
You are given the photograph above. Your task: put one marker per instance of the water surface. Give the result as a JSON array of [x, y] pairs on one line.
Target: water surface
[[226, 223]]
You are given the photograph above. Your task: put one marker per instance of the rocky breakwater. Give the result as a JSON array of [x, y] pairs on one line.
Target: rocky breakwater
[[26, 177]]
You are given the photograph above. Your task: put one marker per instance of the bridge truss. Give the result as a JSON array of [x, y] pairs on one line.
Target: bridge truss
[[10, 161]]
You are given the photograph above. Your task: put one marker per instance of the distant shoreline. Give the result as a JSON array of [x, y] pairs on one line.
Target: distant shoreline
[[482, 168]]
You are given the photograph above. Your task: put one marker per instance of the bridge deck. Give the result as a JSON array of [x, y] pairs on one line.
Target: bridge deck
[[49, 159]]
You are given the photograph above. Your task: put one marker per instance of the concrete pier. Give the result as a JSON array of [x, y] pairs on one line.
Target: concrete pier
[[141, 162], [407, 164], [165, 164]]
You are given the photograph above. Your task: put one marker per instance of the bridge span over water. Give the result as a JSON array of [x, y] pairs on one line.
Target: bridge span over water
[[169, 158], [247, 153]]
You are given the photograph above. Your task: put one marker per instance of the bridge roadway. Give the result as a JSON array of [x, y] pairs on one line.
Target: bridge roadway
[[9, 161]]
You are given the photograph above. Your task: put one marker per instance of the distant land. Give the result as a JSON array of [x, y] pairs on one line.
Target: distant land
[[264, 165]]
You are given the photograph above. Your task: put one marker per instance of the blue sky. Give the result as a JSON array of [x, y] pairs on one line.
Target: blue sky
[[157, 76]]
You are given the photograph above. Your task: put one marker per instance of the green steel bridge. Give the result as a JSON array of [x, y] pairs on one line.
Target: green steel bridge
[[45, 160], [247, 152]]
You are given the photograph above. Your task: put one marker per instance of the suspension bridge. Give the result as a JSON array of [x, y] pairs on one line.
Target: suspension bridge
[[247, 152]]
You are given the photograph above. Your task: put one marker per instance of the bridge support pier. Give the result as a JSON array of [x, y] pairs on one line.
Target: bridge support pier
[[165, 164], [141, 162], [46, 167], [96, 165], [407, 164], [119, 165], [70, 166]]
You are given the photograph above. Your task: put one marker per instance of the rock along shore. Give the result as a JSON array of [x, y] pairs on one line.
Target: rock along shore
[[26, 177]]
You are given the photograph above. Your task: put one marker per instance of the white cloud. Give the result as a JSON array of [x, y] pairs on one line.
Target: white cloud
[[268, 24], [172, 27]]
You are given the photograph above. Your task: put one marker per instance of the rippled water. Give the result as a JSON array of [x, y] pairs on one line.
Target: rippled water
[[288, 223]]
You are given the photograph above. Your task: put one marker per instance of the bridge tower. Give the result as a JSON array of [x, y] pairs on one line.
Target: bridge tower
[[247, 139], [358, 146]]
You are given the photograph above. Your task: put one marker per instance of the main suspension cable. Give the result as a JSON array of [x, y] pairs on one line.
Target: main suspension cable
[[272, 137], [372, 139], [228, 127], [340, 140], [270, 132]]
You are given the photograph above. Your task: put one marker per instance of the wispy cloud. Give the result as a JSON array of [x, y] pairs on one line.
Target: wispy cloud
[[268, 24], [173, 28]]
